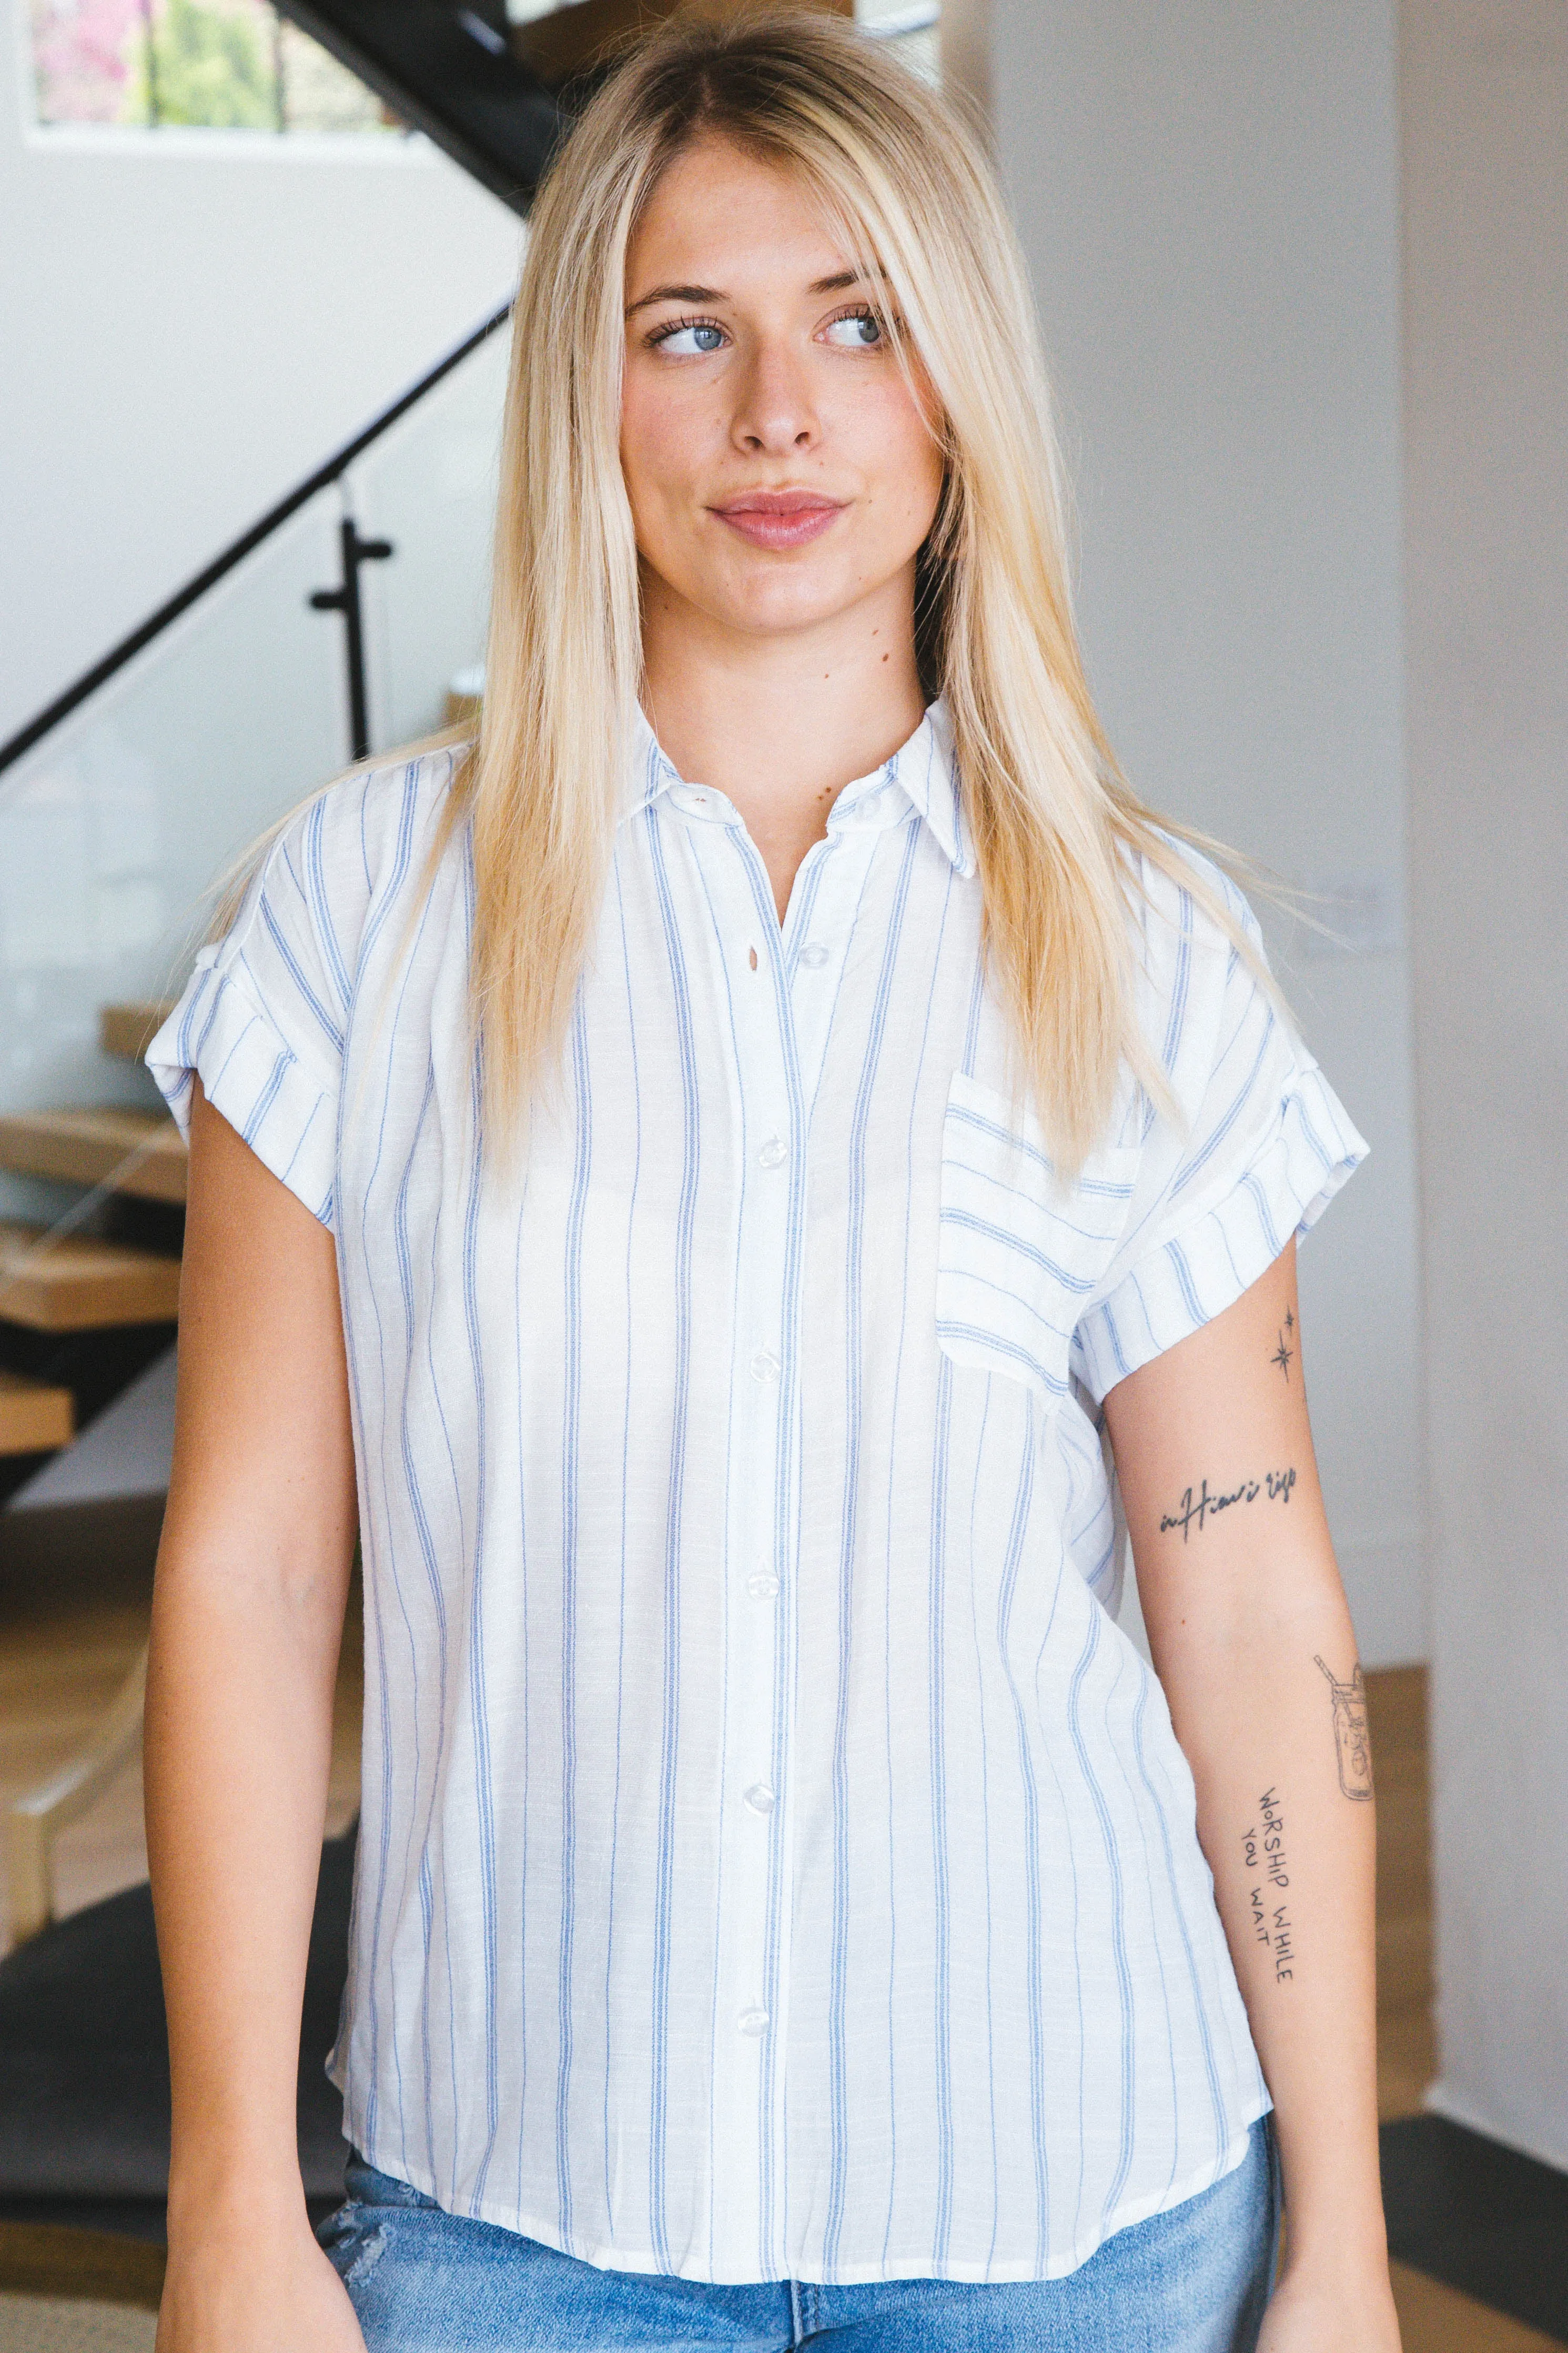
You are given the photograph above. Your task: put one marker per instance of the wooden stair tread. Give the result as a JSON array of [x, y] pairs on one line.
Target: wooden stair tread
[[34, 1417], [138, 1152], [130, 1029], [78, 1284]]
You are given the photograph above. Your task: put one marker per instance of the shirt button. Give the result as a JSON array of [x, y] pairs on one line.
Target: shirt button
[[753, 2023], [764, 1365], [815, 957], [774, 1154], [761, 1586], [760, 1797]]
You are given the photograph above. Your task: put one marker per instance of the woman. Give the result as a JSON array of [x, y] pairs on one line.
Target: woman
[[694, 1180]]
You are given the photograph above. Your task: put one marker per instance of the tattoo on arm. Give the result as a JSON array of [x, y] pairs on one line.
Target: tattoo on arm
[[1351, 1741], [1268, 1876], [1284, 1353], [1193, 1511]]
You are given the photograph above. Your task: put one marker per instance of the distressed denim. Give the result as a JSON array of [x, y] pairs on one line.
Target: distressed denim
[[1194, 2279]]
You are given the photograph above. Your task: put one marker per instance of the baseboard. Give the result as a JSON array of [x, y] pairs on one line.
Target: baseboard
[[1480, 2217], [58, 2259], [1441, 2100]]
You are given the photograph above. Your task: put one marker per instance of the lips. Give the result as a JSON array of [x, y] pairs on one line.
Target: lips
[[779, 517]]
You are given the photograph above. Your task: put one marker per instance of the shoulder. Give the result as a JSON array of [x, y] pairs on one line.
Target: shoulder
[[361, 832], [353, 846], [1201, 974], [1186, 900]]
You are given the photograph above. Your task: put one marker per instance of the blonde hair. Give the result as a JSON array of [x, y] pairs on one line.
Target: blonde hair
[[1058, 832]]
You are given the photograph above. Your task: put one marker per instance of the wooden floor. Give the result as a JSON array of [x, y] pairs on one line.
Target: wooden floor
[[61, 1663], [1433, 2318]]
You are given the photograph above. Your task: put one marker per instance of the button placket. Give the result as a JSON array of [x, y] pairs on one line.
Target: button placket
[[826, 918], [749, 2003]]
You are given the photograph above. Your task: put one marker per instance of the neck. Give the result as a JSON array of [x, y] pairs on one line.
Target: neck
[[781, 722]]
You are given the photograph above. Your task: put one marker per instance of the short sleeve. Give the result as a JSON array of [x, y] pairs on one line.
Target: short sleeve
[[263, 1018], [1259, 1148]]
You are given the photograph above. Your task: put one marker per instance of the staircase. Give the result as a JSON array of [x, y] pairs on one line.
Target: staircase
[[85, 1305], [495, 82], [109, 1269]]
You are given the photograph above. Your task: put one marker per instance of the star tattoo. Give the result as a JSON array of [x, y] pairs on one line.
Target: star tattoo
[[1282, 1354]]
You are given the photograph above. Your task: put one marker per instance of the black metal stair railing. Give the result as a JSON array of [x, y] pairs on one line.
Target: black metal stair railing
[[455, 73], [336, 599]]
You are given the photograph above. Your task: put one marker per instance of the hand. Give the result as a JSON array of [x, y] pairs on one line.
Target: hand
[[1319, 2312], [239, 2289]]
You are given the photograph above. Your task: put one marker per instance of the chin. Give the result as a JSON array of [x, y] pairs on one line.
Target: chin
[[774, 606]]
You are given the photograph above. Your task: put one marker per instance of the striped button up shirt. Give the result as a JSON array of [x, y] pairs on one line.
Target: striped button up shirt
[[773, 1860]]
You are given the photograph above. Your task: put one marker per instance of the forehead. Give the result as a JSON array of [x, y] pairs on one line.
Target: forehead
[[723, 217]]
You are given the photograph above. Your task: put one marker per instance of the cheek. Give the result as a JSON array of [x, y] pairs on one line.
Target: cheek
[[901, 460], [660, 442]]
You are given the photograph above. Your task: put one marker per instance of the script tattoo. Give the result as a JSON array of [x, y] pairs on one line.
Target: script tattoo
[[1263, 1853], [1193, 1511], [1351, 1742]]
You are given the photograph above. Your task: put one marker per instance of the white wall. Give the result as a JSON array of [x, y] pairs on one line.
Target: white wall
[[189, 323], [1207, 192], [1484, 89]]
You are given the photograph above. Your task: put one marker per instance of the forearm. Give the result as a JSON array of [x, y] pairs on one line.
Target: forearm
[[1261, 1702], [1253, 1647], [239, 1742], [247, 1611]]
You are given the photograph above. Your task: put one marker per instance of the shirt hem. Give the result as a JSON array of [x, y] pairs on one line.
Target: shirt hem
[[993, 2273]]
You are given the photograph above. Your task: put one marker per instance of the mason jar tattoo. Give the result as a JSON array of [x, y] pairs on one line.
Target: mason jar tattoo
[[1351, 1741]]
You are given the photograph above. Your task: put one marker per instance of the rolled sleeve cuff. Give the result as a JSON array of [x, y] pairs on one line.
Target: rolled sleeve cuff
[[1198, 1270], [280, 1105]]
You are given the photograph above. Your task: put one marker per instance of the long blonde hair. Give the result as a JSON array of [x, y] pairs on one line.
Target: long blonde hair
[[1057, 831]]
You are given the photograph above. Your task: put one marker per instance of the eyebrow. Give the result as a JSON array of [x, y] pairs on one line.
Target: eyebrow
[[837, 284]]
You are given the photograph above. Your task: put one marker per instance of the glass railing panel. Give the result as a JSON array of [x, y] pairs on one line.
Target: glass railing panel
[[112, 829], [114, 825], [428, 485]]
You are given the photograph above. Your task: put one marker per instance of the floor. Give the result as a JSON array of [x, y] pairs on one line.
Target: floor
[[61, 1662]]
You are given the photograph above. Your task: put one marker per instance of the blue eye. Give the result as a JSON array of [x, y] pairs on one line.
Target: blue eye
[[859, 331], [688, 338]]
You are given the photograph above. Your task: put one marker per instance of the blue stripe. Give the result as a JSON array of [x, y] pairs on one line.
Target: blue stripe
[[479, 1693], [664, 1902], [572, 1380], [966, 1221], [1031, 1859], [839, 2124], [625, 1505], [1117, 1914]]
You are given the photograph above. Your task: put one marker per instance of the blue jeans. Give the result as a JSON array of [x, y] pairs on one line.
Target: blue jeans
[[1193, 2280]]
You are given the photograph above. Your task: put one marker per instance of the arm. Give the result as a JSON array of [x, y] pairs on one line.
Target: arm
[[1253, 1644], [247, 1615]]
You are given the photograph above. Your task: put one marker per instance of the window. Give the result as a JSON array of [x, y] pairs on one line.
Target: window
[[230, 65]]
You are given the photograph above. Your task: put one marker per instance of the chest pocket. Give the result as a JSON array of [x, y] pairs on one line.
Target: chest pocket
[[1020, 1251]]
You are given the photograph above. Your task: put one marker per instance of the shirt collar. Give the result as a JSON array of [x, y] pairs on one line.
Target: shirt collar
[[922, 773]]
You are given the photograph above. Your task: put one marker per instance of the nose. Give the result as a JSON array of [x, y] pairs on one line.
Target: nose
[[775, 413]]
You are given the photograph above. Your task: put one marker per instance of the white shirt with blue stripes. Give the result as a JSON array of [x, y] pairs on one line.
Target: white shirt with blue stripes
[[773, 1860]]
